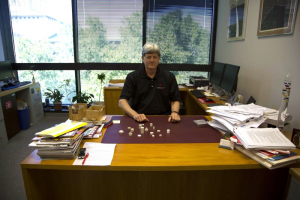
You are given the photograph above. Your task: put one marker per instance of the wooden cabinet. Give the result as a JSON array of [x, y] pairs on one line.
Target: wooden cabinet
[[111, 101]]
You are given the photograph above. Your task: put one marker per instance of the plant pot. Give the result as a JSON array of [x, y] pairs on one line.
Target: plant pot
[[57, 105]]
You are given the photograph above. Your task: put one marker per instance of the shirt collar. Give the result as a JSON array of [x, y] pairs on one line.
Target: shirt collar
[[143, 74]]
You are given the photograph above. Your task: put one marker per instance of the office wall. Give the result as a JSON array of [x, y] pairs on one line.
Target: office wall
[[1, 49], [264, 61]]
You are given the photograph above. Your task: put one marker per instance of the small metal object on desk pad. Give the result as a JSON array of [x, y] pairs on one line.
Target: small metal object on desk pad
[[183, 132]]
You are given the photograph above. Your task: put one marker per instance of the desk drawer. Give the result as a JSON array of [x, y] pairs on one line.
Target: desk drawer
[[37, 114], [36, 102], [37, 109]]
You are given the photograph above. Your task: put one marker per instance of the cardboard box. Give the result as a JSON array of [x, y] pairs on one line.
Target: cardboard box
[[95, 113], [77, 111]]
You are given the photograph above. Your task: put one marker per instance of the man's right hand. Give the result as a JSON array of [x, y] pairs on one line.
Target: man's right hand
[[140, 118]]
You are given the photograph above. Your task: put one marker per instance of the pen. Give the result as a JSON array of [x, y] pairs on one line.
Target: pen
[[85, 157]]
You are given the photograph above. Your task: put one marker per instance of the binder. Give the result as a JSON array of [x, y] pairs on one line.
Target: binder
[[61, 129]]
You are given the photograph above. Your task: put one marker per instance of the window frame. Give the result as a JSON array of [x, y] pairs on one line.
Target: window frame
[[8, 48]]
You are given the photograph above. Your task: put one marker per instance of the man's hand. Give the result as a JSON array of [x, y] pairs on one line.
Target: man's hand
[[140, 118], [174, 117]]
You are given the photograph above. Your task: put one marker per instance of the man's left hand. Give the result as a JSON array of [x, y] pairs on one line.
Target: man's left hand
[[174, 117]]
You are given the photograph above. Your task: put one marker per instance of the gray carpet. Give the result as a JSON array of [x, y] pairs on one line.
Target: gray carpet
[[11, 156]]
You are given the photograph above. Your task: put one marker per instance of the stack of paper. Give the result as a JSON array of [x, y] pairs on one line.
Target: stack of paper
[[99, 154], [66, 147], [60, 141], [231, 117], [263, 138], [266, 163], [115, 85], [243, 121]]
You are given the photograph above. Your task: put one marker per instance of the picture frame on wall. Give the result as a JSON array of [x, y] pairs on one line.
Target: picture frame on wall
[[276, 17], [237, 20]]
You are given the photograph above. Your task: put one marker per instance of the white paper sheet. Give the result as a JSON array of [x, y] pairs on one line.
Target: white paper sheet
[[99, 154], [263, 138], [115, 85]]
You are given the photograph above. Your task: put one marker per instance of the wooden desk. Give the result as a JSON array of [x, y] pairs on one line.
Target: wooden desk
[[156, 171], [192, 105]]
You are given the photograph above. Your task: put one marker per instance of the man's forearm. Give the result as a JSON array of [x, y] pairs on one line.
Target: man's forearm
[[175, 106], [123, 104]]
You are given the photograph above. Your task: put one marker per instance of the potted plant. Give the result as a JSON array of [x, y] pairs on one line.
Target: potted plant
[[101, 77], [56, 96], [31, 72], [83, 98]]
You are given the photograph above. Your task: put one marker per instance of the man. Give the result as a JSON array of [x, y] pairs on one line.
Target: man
[[150, 89]]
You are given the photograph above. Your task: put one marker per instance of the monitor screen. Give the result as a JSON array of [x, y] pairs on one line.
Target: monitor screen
[[229, 80], [5, 71], [217, 74]]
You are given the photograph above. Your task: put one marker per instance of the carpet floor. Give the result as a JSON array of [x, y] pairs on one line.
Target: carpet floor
[[12, 154]]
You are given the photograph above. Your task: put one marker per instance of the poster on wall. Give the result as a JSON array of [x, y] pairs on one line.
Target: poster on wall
[[276, 17], [237, 20]]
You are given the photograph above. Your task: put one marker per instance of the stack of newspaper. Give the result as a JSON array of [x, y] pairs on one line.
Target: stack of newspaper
[[61, 141], [268, 146]]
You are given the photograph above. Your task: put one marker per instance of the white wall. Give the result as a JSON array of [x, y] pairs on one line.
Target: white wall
[[1, 49], [264, 61]]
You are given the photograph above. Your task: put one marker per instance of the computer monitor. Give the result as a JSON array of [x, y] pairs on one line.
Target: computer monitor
[[229, 81], [5, 71], [217, 74]]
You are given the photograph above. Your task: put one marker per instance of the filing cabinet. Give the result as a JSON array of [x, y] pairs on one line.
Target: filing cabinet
[[33, 97]]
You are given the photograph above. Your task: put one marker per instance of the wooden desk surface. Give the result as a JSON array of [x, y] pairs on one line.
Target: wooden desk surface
[[156, 171], [158, 157]]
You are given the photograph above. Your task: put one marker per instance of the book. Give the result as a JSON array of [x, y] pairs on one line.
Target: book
[[263, 138], [284, 160], [69, 134], [90, 132], [62, 139], [60, 154], [55, 141], [262, 161], [60, 129]]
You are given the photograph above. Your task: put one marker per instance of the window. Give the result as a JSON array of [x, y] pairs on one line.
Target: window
[[63, 80], [181, 28], [90, 84], [39, 40], [109, 36], [110, 31]]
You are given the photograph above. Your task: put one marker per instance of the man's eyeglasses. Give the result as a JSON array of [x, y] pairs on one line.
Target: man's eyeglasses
[[149, 57]]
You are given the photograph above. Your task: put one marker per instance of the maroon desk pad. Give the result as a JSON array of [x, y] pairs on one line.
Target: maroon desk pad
[[183, 132]]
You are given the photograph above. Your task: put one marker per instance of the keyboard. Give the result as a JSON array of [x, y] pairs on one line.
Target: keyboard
[[197, 94], [14, 85], [21, 83]]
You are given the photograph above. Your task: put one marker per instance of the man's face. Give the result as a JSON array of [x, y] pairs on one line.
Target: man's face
[[151, 60]]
